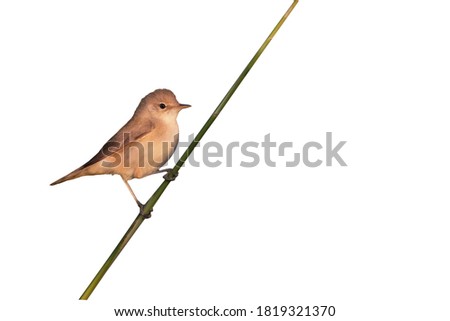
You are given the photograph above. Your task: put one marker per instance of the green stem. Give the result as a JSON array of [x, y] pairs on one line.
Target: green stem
[[148, 208]]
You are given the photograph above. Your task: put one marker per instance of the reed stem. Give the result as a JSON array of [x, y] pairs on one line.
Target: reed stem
[[148, 208]]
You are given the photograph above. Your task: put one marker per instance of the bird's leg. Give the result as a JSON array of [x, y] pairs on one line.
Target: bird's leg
[[141, 206], [170, 176]]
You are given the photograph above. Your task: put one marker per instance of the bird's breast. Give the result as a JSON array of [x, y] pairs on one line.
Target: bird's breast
[[152, 150]]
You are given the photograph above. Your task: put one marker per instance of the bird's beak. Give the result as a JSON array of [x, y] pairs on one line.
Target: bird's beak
[[185, 105]]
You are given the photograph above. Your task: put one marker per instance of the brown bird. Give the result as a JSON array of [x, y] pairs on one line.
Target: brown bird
[[142, 145]]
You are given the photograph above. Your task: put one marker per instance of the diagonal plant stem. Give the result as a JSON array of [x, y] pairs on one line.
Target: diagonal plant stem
[[148, 208]]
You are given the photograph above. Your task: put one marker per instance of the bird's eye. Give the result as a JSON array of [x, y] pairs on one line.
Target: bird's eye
[[162, 106]]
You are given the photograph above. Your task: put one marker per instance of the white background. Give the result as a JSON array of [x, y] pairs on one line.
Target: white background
[[372, 238]]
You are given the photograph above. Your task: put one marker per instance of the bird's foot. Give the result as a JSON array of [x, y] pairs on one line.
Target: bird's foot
[[170, 176], [141, 210]]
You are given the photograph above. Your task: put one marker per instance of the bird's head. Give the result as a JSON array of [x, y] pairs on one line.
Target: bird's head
[[162, 103]]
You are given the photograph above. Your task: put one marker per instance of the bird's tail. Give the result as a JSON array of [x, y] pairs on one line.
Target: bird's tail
[[75, 174]]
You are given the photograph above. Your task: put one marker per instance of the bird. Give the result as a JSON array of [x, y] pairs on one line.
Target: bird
[[142, 146]]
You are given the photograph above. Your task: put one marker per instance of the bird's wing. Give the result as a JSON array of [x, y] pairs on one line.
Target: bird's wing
[[130, 132]]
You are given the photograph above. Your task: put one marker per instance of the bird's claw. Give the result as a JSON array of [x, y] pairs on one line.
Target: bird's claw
[[170, 176], [141, 210]]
